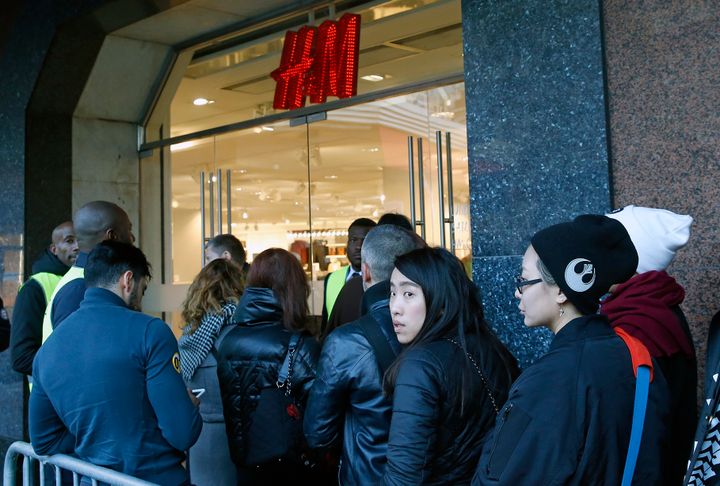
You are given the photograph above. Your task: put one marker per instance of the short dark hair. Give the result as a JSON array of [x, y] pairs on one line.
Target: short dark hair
[[396, 219], [362, 223], [227, 242], [110, 259]]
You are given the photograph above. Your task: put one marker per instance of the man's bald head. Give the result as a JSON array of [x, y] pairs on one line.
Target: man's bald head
[[64, 243], [99, 221]]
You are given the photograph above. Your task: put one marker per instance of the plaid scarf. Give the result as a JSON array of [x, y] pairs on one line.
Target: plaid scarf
[[194, 347]]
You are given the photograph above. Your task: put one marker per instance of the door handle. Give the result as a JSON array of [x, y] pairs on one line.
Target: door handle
[[202, 218], [421, 182], [451, 205], [441, 187], [219, 201], [228, 173]]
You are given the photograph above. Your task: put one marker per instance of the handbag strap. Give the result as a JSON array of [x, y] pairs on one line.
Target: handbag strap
[[285, 373], [482, 376]]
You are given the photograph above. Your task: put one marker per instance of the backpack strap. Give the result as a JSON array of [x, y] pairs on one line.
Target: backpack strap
[[383, 352], [643, 368]]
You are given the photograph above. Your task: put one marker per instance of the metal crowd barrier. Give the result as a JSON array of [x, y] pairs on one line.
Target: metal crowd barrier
[[34, 470]]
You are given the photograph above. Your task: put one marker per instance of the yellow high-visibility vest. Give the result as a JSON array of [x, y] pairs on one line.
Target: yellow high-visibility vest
[[336, 281], [72, 274]]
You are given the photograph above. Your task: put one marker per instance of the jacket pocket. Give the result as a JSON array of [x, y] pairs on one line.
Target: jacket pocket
[[513, 423]]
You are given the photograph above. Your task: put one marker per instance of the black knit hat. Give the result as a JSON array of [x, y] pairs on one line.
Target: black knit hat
[[587, 256]]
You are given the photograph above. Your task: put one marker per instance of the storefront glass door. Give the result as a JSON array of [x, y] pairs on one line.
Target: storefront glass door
[[299, 184]]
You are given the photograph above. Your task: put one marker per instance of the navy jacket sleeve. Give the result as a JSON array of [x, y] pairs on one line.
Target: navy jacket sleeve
[[411, 446], [48, 433], [67, 301], [179, 420], [323, 419], [26, 331]]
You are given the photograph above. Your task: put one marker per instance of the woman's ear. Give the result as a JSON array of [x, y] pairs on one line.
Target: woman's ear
[[561, 297]]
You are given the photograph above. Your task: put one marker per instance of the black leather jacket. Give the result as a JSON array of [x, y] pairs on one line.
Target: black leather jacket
[[347, 403], [431, 442], [249, 359]]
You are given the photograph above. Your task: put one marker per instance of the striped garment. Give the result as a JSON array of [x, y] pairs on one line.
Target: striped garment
[[194, 347]]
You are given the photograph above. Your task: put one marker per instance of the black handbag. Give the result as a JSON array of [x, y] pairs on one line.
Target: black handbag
[[275, 430]]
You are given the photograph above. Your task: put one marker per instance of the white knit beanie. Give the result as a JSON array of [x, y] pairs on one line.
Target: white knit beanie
[[656, 233]]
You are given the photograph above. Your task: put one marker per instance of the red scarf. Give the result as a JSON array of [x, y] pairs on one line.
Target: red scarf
[[642, 306]]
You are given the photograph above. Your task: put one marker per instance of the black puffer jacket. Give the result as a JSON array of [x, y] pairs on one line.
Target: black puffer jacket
[[430, 441], [249, 360]]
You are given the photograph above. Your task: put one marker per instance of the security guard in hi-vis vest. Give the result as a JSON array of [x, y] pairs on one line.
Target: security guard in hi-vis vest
[[94, 222], [335, 281], [36, 292]]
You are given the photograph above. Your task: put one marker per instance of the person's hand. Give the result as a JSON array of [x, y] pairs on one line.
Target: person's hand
[[195, 400]]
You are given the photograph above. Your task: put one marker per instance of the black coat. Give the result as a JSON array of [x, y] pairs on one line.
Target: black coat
[[26, 336], [568, 417], [249, 360], [706, 435], [431, 442]]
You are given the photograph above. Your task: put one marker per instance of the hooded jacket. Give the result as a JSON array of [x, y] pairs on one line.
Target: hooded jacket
[[648, 307], [249, 360], [26, 332]]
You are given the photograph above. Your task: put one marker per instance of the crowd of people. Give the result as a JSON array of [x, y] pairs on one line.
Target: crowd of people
[[403, 383]]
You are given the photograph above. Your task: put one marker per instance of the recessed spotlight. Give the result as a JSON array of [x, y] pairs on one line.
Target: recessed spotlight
[[175, 204], [268, 129], [373, 78], [332, 177], [202, 101], [245, 215]]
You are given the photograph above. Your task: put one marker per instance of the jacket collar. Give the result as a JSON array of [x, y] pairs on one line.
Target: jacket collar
[[375, 297], [582, 328], [81, 260], [257, 306], [47, 262], [100, 296]]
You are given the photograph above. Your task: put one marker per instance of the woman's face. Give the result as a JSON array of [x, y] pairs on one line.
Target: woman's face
[[407, 307], [538, 302]]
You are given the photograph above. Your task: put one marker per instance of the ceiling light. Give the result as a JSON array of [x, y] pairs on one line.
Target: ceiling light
[[268, 129], [245, 216], [373, 77], [331, 177], [202, 101], [257, 130], [175, 204], [382, 197]]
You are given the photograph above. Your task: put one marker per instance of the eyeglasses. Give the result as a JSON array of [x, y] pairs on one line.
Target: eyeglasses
[[521, 282]]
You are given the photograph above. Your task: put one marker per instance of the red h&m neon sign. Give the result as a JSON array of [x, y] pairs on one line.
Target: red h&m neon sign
[[318, 62]]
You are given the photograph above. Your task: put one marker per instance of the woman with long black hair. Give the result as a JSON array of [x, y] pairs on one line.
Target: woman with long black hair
[[452, 378]]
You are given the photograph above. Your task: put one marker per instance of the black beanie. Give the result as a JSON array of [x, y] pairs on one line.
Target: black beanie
[[587, 256]]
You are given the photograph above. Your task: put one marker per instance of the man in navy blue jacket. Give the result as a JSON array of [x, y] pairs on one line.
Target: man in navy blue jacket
[[107, 383]]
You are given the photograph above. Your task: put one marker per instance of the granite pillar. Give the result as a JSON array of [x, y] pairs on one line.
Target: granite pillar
[[537, 143]]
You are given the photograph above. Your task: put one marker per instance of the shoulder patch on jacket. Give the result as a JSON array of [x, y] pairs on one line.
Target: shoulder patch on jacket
[[176, 362]]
